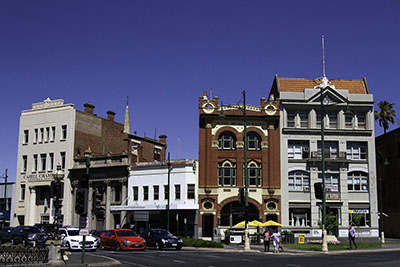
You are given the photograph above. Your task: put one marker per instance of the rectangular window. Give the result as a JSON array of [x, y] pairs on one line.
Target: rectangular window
[[156, 192], [299, 181], [226, 174], [359, 217], [53, 134], [332, 120], [349, 121], [135, 193], [361, 121], [62, 155], [303, 119], [36, 136], [298, 149], [43, 162], [26, 137], [356, 150], [299, 217], [24, 163], [145, 193], [166, 192], [51, 161], [157, 154], [35, 163], [22, 191], [177, 191], [41, 135], [190, 191], [330, 149], [291, 115], [47, 137], [63, 132], [331, 181], [357, 181]]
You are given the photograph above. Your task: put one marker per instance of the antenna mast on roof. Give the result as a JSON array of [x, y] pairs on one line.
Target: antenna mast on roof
[[323, 56], [211, 94]]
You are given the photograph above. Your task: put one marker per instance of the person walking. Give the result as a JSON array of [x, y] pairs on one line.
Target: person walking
[[267, 239], [276, 240], [352, 236]]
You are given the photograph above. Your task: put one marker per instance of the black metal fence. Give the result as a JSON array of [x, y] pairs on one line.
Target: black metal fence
[[26, 255]]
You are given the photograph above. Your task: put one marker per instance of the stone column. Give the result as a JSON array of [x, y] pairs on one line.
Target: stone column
[[108, 205], [32, 205]]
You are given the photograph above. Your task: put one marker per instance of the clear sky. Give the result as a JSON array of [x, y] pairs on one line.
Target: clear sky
[[164, 54]]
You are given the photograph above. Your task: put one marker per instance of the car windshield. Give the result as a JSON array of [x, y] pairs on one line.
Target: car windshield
[[126, 233], [73, 232], [162, 233], [31, 230]]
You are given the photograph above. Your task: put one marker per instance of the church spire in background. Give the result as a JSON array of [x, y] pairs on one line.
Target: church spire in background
[[127, 127]]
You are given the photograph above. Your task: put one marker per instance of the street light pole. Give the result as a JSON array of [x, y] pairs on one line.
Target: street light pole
[[246, 180], [88, 155], [169, 178], [380, 201], [324, 233], [5, 197]]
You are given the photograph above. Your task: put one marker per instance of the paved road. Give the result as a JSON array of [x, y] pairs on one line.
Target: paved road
[[206, 258]]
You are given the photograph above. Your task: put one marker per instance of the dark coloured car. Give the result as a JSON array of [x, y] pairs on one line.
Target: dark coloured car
[[45, 227], [28, 235], [5, 234], [161, 238], [124, 239]]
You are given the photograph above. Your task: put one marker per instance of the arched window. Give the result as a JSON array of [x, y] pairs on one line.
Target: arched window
[[253, 141], [254, 173], [357, 181], [227, 140], [299, 181], [226, 173]]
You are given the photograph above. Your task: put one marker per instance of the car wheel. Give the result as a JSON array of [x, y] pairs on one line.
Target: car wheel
[[117, 246], [158, 246]]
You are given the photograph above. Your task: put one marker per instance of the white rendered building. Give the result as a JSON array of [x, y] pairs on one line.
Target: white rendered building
[[46, 138], [146, 204], [349, 150]]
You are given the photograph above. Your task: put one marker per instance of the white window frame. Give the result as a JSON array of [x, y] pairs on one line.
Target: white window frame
[[299, 180], [357, 181]]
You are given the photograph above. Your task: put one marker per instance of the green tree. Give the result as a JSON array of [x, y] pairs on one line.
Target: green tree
[[385, 115]]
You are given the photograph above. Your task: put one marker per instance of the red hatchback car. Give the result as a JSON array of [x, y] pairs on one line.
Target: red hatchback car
[[122, 239]]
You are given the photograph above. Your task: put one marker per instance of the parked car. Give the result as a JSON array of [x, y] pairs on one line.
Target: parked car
[[96, 234], [28, 235], [45, 227], [72, 240], [161, 238], [124, 239], [5, 234]]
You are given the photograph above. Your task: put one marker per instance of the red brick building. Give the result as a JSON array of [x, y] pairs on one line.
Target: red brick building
[[221, 163]]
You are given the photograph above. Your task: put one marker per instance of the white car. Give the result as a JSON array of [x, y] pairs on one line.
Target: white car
[[72, 240]]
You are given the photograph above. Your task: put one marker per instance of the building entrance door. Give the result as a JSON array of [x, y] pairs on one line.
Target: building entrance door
[[208, 225]]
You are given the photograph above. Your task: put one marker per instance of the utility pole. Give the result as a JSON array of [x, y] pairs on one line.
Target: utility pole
[[5, 198]]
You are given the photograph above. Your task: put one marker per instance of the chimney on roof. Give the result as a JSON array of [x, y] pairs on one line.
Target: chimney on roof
[[163, 139], [89, 108], [110, 115]]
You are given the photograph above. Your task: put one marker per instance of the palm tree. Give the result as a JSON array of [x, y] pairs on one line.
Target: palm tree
[[385, 115]]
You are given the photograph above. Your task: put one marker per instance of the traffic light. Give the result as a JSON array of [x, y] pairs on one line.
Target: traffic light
[[318, 190], [97, 209], [81, 201], [241, 195]]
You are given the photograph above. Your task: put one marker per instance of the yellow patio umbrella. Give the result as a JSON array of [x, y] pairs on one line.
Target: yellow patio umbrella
[[270, 223], [254, 223]]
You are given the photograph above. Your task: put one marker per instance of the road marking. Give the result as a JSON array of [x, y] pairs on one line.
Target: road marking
[[177, 261], [137, 264]]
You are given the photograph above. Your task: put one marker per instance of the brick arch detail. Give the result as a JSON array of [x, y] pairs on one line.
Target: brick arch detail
[[231, 199], [226, 129], [260, 133]]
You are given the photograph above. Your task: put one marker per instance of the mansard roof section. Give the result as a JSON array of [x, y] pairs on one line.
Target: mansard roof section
[[300, 84]]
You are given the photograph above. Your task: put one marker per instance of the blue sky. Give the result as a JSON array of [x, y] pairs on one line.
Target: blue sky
[[164, 54]]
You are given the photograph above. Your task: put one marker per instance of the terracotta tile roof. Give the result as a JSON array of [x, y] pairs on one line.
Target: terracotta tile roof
[[299, 84]]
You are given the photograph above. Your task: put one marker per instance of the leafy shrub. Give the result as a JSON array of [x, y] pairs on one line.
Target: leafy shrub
[[200, 243]]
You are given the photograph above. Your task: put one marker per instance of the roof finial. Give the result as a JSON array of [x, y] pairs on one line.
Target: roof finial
[[323, 56], [127, 128]]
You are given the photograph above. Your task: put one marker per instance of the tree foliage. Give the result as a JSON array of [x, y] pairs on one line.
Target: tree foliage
[[385, 115]]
